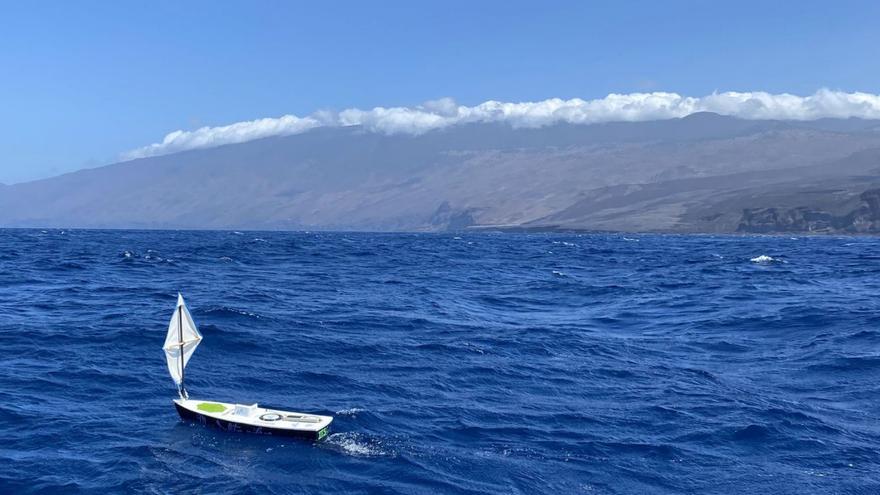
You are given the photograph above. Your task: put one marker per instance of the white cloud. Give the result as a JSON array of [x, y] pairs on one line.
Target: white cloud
[[207, 137], [614, 107]]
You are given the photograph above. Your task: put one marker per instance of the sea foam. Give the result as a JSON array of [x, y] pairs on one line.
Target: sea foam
[[765, 259]]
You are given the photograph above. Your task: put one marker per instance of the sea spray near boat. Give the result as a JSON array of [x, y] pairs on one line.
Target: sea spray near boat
[[180, 343]]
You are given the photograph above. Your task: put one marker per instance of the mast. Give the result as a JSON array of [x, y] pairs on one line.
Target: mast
[[182, 390]]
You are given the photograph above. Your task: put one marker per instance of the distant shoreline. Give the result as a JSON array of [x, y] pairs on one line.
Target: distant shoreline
[[473, 230]]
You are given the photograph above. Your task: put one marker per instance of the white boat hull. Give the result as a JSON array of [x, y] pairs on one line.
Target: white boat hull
[[254, 419]]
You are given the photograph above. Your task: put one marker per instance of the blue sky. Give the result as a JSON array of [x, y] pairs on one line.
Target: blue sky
[[82, 82]]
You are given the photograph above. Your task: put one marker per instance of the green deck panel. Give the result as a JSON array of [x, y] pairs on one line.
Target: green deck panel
[[211, 407]]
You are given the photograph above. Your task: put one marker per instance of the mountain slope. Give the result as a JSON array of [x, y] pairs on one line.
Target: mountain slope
[[690, 174]]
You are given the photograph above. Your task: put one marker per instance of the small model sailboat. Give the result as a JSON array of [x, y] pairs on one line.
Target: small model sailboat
[[181, 341]]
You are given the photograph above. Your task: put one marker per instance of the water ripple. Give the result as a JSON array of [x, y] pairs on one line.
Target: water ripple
[[478, 363]]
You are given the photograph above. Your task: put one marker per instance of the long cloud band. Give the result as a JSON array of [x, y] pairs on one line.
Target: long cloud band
[[613, 108]]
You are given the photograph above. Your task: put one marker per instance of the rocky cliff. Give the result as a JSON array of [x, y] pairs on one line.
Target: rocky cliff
[[862, 220]]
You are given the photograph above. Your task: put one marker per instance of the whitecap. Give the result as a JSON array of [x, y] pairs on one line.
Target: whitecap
[[766, 259], [558, 273], [241, 312], [355, 444], [474, 347], [351, 411]]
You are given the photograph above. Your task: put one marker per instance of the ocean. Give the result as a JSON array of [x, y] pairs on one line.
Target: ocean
[[453, 363]]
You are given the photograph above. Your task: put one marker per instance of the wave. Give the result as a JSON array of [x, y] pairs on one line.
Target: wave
[[351, 411], [752, 433], [356, 444], [225, 311], [848, 364], [766, 259]]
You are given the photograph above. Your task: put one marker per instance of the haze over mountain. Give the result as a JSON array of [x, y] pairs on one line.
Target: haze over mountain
[[700, 173]]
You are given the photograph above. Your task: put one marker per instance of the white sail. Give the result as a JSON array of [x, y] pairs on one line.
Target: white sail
[[181, 330]]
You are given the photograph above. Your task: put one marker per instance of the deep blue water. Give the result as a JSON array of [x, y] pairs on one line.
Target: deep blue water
[[454, 364]]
